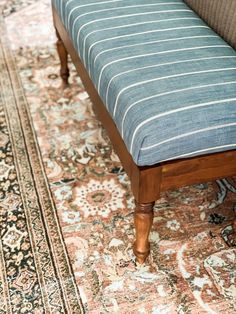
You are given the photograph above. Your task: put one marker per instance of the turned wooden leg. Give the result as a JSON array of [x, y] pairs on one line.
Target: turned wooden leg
[[63, 56], [143, 219]]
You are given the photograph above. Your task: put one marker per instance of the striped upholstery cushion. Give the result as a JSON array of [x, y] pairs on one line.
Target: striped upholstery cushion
[[167, 80]]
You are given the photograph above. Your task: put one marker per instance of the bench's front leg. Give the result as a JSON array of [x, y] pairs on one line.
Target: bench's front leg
[[143, 219], [63, 56]]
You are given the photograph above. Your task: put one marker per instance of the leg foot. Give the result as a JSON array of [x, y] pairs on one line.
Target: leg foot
[[143, 219], [63, 56]]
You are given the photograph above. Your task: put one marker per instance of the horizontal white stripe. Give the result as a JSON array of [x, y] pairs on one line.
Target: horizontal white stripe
[[99, 3], [173, 111], [167, 77], [92, 3], [149, 43], [143, 33], [86, 5], [159, 65], [153, 54], [199, 152], [68, 2], [134, 24], [216, 127], [118, 17], [168, 93], [111, 9]]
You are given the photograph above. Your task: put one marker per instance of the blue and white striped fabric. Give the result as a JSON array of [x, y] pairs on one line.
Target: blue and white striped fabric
[[167, 80]]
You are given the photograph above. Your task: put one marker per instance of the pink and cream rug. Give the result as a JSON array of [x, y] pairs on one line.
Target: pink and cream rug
[[191, 268]]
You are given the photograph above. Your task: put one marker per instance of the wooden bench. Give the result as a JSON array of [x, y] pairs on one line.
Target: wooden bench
[[147, 181]]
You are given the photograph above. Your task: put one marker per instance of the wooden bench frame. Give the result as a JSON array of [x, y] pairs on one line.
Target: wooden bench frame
[[146, 182]]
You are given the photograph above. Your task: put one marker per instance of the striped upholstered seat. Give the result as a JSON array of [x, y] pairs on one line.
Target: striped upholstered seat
[[167, 80]]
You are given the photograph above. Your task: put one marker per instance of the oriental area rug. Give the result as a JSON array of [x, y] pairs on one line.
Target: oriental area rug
[[67, 208], [35, 273]]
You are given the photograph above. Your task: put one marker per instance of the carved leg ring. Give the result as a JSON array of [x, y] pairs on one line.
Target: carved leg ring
[[63, 56], [143, 219]]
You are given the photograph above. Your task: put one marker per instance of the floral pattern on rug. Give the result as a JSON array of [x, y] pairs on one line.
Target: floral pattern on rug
[[95, 207], [222, 268], [99, 198], [11, 6], [25, 34], [35, 273]]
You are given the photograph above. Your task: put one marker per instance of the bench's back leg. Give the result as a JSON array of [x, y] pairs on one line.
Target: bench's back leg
[[63, 56]]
